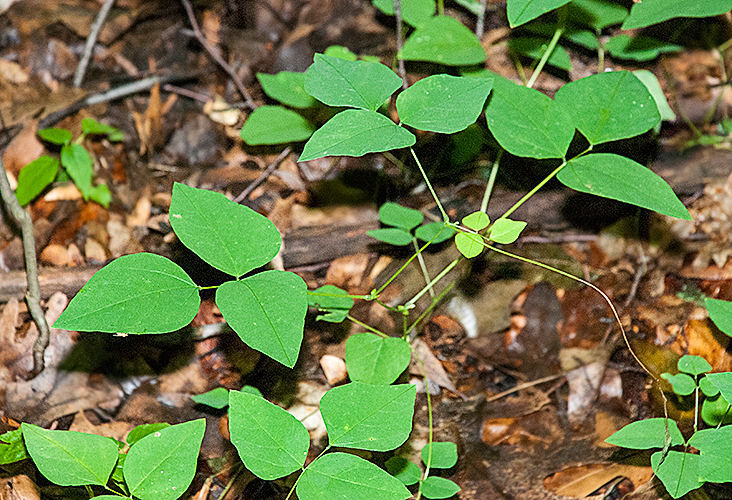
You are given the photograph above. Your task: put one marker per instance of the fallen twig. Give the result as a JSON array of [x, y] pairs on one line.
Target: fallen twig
[[400, 61], [90, 41], [271, 168]]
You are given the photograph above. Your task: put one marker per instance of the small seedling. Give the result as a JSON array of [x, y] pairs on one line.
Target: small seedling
[[35, 177]]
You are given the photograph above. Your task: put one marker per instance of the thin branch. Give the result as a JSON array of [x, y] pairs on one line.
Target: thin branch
[[271, 168], [217, 56], [400, 61], [91, 41], [33, 293], [480, 22]]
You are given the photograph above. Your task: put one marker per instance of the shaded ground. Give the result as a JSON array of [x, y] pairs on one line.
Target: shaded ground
[[504, 327]]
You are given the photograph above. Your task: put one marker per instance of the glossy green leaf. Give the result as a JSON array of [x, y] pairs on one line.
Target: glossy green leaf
[[693, 365], [271, 442], [79, 165], [436, 232], [232, 238], [619, 178], [70, 458], [655, 11], [358, 84], [716, 411], [376, 360], [346, 476], [720, 311], [34, 178], [645, 434], [143, 430], [723, 382], [679, 472], [708, 389], [368, 417], [534, 48], [523, 11], [100, 194], [609, 106], [396, 215], [161, 465], [443, 40], [267, 311], [443, 103], [715, 458], [216, 398], [12, 448], [597, 14], [527, 123], [332, 301], [139, 293], [506, 230], [639, 47], [405, 471], [439, 487], [287, 87], [91, 126], [651, 82], [414, 12], [391, 235], [356, 132], [58, 136], [476, 221], [444, 454], [275, 125], [682, 383], [469, 244]]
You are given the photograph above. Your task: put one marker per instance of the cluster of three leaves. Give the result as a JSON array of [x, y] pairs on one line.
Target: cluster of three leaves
[[147, 293]]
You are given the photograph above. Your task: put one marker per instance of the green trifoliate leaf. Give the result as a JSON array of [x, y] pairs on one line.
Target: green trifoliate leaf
[[523, 11], [716, 411], [232, 238], [275, 125], [619, 178], [436, 232], [534, 48], [139, 293], [720, 312], [679, 472], [143, 430], [368, 417], [476, 221], [443, 40], [267, 311], [162, 464], [376, 360], [597, 14], [357, 84], [439, 487], [693, 365], [682, 383], [346, 476], [356, 132], [334, 303], [79, 165], [287, 87], [723, 382], [396, 215], [639, 47], [527, 123], [93, 127], [12, 448], [469, 244], [34, 178], [58, 136], [655, 11], [609, 106], [645, 434], [506, 230], [715, 458], [405, 471], [217, 398], [708, 389], [443, 103], [651, 82], [391, 235], [444, 454], [69, 458], [414, 12], [100, 194], [341, 52], [271, 442]]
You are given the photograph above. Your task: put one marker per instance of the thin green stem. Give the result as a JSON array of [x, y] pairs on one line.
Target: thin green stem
[[429, 186], [422, 265], [429, 309], [545, 57], [321, 294], [367, 327], [491, 182], [303, 470], [228, 486], [600, 52], [534, 190], [430, 432], [441, 7], [404, 266], [437, 278]]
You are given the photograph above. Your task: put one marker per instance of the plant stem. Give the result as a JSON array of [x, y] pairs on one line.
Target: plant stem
[[480, 21], [545, 57], [437, 278], [368, 327], [422, 265], [435, 301], [600, 53], [429, 186], [441, 7], [399, 271], [491, 181], [400, 61], [430, 434], [534, 190]]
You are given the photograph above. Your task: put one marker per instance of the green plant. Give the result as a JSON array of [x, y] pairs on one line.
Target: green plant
[[75, 160]]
